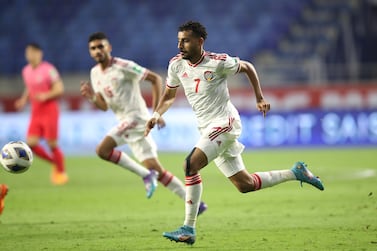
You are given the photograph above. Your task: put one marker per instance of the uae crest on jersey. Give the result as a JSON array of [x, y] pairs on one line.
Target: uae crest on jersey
[[209, 75]]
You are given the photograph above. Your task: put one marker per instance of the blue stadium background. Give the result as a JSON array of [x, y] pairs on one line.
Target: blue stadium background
[[145, 30], [318, 47]]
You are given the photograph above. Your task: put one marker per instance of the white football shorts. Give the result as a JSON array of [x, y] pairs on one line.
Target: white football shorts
[[142, 147], [219, 143]]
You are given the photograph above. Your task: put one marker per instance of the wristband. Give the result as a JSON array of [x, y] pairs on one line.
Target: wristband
[[93, 99], [156, 115]]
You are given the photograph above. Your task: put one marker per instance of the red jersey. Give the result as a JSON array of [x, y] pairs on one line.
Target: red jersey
[[39, 80]]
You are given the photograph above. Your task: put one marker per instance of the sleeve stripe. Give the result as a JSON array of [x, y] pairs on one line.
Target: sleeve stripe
[[239, 66], [145, 74], [172, 87]]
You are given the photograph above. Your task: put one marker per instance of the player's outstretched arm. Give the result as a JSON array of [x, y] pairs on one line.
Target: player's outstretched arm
[[95, 98], [166, 101], [247, 68]]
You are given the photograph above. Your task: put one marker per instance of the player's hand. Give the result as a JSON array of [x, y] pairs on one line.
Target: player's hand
[[263, 106], [149, 126], [86, 90], [20, 103], [161, 123], [41, 97]]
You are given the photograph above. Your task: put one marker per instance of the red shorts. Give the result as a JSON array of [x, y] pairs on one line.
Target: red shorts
[[44, 124]]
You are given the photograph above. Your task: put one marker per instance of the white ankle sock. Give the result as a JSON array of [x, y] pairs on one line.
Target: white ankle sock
[[269, 179]]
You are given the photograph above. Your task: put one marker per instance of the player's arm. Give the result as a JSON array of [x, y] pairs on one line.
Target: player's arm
[[247, 68], [57, 90], [21, 102], [166, 101], [156, 82], [95, 98]]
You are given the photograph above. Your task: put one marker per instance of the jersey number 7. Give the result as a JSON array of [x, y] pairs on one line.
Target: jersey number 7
[[197, 80]]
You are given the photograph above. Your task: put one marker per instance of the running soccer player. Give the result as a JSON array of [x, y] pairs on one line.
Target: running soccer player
[[115, 85], [43, 88], [3, 193], [203, 76]]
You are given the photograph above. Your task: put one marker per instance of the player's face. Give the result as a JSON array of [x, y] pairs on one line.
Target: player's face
[[33, 56], [100, 50], [189, 45]]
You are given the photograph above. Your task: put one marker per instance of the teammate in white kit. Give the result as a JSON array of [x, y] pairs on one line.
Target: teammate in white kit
[[203, 76], [115, 84]]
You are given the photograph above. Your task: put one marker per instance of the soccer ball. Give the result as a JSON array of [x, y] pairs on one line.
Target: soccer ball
[[16, 157]]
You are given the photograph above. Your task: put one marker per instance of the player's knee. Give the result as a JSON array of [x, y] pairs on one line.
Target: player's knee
[[52, 144], [102, 152], [189, 167], [31, 142]]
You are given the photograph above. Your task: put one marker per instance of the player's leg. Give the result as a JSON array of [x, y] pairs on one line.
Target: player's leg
[[170, 181], [165, 177], [106, 151], [234, 169], [58, 174], [33, 138], [145, 151], [206, 150], [50, 133], [195, 161], [3, 193]]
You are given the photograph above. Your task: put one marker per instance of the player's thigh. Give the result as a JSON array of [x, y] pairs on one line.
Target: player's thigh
[[50, 127], [230, 165], [32, 140], [224, 145], [35, 131], [113, 138], [145, 150]]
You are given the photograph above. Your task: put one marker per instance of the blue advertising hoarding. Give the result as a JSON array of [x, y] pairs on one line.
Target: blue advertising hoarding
[[80, 132]]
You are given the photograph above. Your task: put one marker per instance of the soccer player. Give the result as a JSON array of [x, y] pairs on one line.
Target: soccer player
[[43, 88], [3, 193], [115, 85], [203, 76]]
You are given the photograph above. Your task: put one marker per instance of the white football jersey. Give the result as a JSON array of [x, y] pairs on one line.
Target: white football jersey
[[119, 84], [205, 85]]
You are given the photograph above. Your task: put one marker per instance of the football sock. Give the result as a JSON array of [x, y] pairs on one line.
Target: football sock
[[269, 179], [194, 188], [123, 160], [41, 152], [173, 184], [58, 159]]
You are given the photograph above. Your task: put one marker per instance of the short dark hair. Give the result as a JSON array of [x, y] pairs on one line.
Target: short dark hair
[[197, 29], [97, 36], [34, 45]]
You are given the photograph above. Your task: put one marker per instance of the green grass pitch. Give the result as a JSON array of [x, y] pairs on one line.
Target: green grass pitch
[[104, 207]]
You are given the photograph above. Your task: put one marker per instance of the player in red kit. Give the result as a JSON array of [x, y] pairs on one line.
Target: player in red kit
[[43, 88], [3, 192]]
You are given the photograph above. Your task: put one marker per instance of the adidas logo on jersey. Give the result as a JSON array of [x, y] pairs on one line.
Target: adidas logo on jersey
[[185, 75]]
